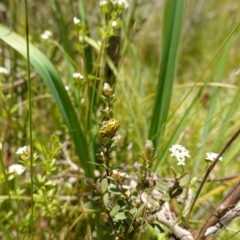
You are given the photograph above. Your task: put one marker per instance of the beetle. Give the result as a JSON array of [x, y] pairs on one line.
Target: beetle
[[108, 128]]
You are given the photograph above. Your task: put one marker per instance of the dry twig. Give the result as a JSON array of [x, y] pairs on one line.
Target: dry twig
[[224, 221], [220, 210], [166, 217]]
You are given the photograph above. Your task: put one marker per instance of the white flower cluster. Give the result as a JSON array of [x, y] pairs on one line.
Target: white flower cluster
[[17, 169], [103, 3], [22, 150], [180, 152], [78, 76], [46, 34], [121, 3], [212, 156]]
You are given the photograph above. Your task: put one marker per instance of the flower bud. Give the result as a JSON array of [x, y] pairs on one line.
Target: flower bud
[[116, 174], [137, 202], [149, 149], [107, 89]]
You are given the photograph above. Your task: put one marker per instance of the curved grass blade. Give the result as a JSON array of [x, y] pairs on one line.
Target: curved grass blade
[[50, 76]]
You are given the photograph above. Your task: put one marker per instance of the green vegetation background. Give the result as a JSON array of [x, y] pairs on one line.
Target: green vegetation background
[[202, 106]]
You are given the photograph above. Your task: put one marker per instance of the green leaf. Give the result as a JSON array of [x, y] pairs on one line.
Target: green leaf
[[115, 210], [177, 192], [166, 197], [184, 180], [96, 198], [120, 216], [157, 227], [140, 210], [93, 206], [52, 79], [133, 210], [105, 199], [115, 191], [129, 221], [172, 23], [161, 186], [104, 185], [121, 203]]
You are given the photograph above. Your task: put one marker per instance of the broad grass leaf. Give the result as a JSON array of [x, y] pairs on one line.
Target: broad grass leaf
[[50, 76]]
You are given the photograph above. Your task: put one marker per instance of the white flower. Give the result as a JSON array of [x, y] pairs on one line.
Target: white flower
[[114, 23], [212, 156], [78, 76], [46, 34], [22, 150], [67, 88], [16, 168], [76, 20], [180, 152], [3, 71], [123, 3], [103, 2]]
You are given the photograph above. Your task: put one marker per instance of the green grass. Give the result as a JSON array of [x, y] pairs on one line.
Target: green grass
[[177, 81], [49, 74]]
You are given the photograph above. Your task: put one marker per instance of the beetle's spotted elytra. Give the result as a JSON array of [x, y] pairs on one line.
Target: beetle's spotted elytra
[[109, 128]]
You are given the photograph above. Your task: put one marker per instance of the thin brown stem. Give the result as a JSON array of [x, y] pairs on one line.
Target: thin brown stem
[[228, 202], [210, 168]]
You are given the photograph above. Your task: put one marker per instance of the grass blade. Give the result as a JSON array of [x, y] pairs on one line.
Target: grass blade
[[220, 70], [5, 231], [50, 76], [171, 35], [63, 33]]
